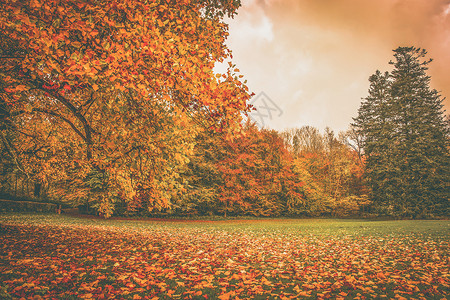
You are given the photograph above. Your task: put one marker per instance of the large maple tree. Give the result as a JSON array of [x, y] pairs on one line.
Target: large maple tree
[[99, 96]]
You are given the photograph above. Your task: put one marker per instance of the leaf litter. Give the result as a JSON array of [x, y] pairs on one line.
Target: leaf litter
[[69, 260]]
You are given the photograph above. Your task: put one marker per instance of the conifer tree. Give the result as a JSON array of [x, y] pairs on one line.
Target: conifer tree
[[406, 138]]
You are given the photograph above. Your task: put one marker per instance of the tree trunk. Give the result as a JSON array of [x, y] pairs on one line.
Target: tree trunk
[[37, 189]]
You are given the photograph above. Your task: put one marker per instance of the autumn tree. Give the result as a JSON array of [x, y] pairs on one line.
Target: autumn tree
[[102, 94], [304, 139], [201, 178], [248, 174], [330, 169], [406, 138], [344, 176]]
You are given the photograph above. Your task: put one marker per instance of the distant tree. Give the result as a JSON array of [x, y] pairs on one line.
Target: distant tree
[[257, 176], [305, 139], [249, 174], [331, 170], [406, 138], [353, 138]]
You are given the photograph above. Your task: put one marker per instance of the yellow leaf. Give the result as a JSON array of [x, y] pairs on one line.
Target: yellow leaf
[[21, 88], [28, 107]]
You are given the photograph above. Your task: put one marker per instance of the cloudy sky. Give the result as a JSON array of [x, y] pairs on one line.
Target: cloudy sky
[[313, 58]]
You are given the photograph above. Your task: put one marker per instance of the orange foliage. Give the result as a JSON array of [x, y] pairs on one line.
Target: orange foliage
[[101, 95], [257, 176]]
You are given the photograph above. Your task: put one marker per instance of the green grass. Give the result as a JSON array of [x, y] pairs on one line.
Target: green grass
[[67, 257], [322, 227]]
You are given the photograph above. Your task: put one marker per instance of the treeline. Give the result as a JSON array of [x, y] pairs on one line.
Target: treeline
[[260, 172], [268, 173]]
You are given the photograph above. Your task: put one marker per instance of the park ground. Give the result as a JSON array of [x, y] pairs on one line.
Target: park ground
[[68, 257]]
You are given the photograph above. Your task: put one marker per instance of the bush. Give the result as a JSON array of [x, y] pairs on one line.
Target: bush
[[26, 206]]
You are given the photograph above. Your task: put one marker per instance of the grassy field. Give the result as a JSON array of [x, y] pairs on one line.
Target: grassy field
[[64, 257]]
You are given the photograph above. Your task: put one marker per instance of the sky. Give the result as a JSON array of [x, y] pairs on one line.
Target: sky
[[308, 61]]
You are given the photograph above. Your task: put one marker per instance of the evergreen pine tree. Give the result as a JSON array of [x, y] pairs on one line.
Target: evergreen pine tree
[[406, 138]]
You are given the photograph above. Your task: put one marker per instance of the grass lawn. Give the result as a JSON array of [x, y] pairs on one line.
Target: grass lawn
[[63, 257]]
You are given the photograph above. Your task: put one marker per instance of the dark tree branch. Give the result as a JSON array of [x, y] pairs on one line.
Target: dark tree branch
[[49, 112], [39, 83]]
